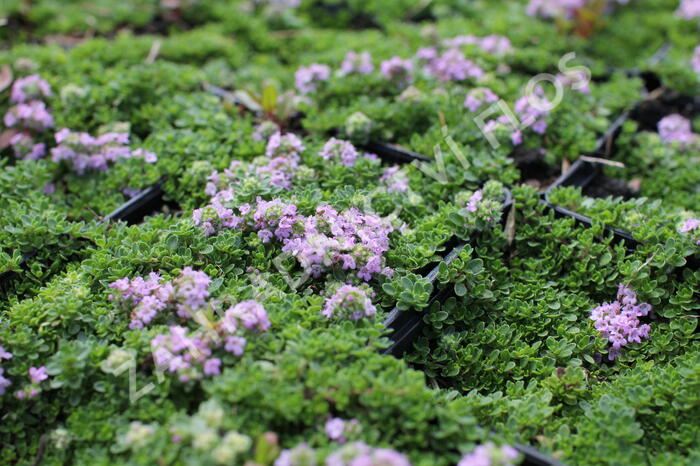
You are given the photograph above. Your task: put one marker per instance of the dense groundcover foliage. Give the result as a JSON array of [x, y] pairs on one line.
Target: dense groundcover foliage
[[218, 219]]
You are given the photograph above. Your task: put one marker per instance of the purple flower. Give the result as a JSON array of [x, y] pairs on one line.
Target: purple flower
[[307, 78], [4, 354], [24, 147], [395, 179], [357, 63], [30, 115], [334, 428], [689, 9], [38, 374], [618, 321], [490, 455], [690, 225], [426, 55], [360, 454], [30, 87], [473, 203], [349, 302], [212, 366], [288, 145], [341, 150], [676, 129], [554, 8], [301, 455], [478, 97], [397, 69], [695, 62], [493, 44], [95, 153], [453, 66], [250, 313]]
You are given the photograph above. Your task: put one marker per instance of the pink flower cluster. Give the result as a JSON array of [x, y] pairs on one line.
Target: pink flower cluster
[[566, 9], [689, 9], [349, 302], [478, 97], [357, 63], [31, 115], [691, 224], [351, 239], [395, 180], [147, 297], [307, 78], [398, 70], [95, 153], [4, 382], [677, 129], [359, 453], [531, 111], [452, 66], [279, 169], [493, 44], [618, 321], [351, 454], [36, 376], [340, 150], [29, 111], [25, 148], [190, 354], [340, 430], [29, 88], [489, 454]]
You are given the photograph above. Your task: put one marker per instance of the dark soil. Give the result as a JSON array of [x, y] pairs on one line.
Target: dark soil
[[533, 169], [604, 186]]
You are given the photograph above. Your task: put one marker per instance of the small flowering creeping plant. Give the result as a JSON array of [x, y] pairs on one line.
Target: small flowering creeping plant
[[452, 66], [349, 240], [350, 302], [398, 70], [340, 430], [36, 376], [95, 153], [278, 168], [489, 454], [189, 353], [25, 148], [307, 77], [493, 43], [186, 294], [618, 321], [29, 111], [480, 208], [478, 97], [395, 180], [29, 88], [357, 63], [31, 115], [340, 150], [351, 454]]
